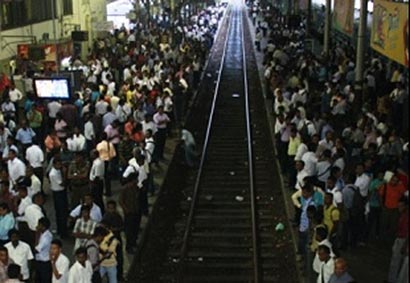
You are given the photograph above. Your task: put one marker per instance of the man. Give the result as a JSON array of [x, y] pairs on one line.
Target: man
[[300, 175], [161, 121], [93, 252], [107, 153], [32, 214], [390, 194], [84, 227], [97, 179], [81, 271], [326, 267], [114, 222], [25, 200], [20, 253], [76, 142], [25, 135], [331, 217], [16, 168], [321, 239], [59, 262], [137, 165], [362, 180], [33, 182], [309, 198], [42, 249], [108, 251], [78, 177], [341, 275], [95, 212], [401, 242], [35, 158], [7, 223], [5, 261], [57, 187], [130, 203], [294, 142]]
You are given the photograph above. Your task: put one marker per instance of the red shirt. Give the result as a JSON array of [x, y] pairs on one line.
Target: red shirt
[[403, 229], [392, 194]]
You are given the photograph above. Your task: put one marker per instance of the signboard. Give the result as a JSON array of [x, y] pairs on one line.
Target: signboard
[[103, 26], [390, 30], [343, 13]]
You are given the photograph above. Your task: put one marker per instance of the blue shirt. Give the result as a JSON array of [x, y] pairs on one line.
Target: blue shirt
[[316, 200], [7, 223], [25, 136], [43, 246], [95, 95]]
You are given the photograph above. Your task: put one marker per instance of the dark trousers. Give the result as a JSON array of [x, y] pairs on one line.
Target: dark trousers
[[131, 227], [107, 179], [144, 201], [119, 257], [61, 209], [27, 235], [97, 190], [355, 228], [292, 171], [43, 272], [373, 221], [160, 139], [302, 242]]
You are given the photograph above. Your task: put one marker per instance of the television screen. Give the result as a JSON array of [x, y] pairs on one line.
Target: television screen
[[52, 88]]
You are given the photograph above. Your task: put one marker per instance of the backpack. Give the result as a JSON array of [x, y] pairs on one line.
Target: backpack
[[357, 202]]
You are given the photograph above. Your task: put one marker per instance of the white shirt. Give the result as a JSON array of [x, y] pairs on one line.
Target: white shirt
[[62, 265], [76, 143], [89, 133], [56, 179], [326, 144], [337, 196], [323, 170], [97, 169], [310, 160], [326, 269], [35, 186], [133, 167], [21, 255], [79, 273], [161, 118], [53, 108], [95, 213], [362, 182], [299, 179], [149, 126], [15, 95], [35, 156], [302, 149], [16, 169], [24, 203], [43, 246], [101, 107], [32, 215]]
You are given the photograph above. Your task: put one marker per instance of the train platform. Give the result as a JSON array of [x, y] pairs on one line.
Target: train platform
[[369, 263]]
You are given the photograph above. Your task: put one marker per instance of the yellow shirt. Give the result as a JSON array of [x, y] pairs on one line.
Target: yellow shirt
[[330, 215], [293, 145], [106, 150]]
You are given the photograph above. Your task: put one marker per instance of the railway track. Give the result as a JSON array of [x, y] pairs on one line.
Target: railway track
[[230, 207]]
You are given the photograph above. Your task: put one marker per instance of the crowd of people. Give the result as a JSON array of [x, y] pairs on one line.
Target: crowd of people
[[135, 88], [344, 154]]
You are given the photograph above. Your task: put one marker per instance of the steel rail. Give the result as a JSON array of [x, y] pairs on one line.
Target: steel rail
[[255, 240], [203, 157]]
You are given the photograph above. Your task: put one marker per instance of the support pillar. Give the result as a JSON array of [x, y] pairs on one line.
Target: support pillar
[[328, 23], [361, 41]]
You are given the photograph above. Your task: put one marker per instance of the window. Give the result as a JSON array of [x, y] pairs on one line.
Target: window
[[67, 7], [23, 12]]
